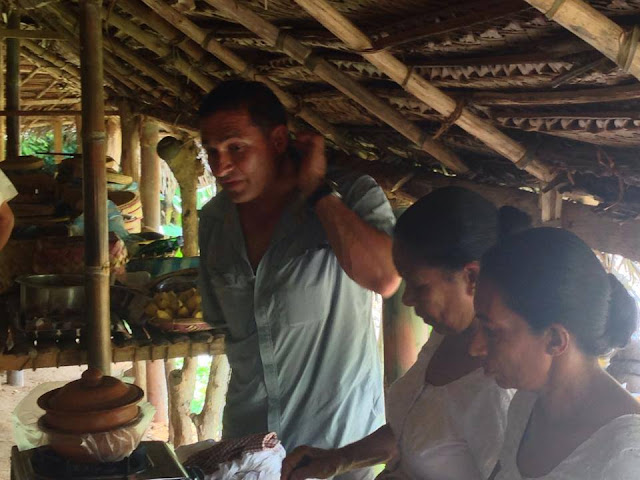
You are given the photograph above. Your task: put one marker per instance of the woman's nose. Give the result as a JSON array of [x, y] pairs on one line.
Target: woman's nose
[[478, 346]]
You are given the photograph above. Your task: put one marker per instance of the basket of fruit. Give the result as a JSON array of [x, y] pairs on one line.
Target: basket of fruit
[[177, 312]]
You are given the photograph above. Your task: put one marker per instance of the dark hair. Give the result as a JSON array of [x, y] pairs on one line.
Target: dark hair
[[453, 226], [263, 106], [549, 275]]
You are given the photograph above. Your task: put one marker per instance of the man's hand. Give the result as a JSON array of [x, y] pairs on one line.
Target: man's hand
[[313, 163], [309, 462]]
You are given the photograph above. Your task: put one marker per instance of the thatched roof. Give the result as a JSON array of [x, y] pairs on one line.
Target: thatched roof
[[507, 63]]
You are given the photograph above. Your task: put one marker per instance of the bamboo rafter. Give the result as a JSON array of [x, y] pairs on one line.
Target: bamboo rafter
[[342, 82], [291, 103], [596, 29], [340, 26]]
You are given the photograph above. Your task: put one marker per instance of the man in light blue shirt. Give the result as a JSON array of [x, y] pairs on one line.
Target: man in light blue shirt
[[289, 261]]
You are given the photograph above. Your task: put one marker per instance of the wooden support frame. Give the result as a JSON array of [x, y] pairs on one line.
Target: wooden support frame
[[596, 29], [341, 81], [12, 95], [485, 131], [29, 34], [291, 103], [47, 113]]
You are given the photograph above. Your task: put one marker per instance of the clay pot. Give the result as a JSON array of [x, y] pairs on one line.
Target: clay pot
[[95, 403]]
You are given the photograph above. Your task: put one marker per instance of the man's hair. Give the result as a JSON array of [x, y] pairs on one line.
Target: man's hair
[[265, 110]]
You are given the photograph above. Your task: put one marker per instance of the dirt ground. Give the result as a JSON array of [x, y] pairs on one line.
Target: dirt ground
[[11, 396]]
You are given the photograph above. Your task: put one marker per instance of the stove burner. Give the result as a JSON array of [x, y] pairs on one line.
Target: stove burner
[[49, 465]]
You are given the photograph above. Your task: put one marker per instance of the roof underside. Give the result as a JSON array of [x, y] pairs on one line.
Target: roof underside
[[487, 53]]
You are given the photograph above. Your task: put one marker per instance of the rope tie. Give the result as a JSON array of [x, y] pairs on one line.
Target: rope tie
[[249, 72], [207, 39], [554, 9], [407, 78], [628, 47], [451, 119], [282, 37], [528, 157]]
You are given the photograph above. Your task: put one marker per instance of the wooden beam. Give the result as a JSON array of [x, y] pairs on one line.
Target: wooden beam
[[31, 74], [3, 72], [596, 29], [130, 126], [47, 103], [341, 81], [479, 12], [94, 181], [150, 175], [585, 114], [30, 34], [58, 139], [566, 97], [356, 40], [231, 59], [12, 96], [599, 231]]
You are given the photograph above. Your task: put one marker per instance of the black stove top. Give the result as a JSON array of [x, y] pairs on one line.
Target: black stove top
[[150, 461]]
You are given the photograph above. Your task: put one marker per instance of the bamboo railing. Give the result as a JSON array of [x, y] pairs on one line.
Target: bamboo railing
[[344, 83], [387, 63]]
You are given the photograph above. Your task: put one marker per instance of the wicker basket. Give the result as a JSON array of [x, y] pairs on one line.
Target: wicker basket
[[131, 207]]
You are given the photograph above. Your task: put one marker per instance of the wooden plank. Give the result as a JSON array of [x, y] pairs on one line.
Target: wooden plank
[[55, 357], [49, 113]]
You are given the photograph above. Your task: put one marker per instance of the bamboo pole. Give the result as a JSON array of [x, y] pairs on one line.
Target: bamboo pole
[[95, 187], [340, 80], [114, 139], [3, 151], [228, 57], [78, 122], [150, 177], [355, 39], [13, 90], [596, 29], [171, 35], [30, 34], [160, 48]]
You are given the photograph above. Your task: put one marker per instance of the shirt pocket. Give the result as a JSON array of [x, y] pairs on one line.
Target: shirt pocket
[[306, 287], [234, 294]]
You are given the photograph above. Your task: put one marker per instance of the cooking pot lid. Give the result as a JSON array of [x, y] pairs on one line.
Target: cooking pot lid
[[94, 392]]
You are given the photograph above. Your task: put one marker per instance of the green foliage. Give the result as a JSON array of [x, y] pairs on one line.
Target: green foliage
[[35, 141]]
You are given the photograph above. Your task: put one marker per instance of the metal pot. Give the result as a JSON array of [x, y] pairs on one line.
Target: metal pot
[[51, 295]]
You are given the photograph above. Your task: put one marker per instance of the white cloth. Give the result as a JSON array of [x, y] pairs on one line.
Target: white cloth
[[449, 432], [264, 465], [7, 190], [611, 453]]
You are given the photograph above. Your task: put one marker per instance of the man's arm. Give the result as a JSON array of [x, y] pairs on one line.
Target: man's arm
[[6, 223], [363, 252]]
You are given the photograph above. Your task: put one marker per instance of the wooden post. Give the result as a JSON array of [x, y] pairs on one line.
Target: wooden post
[[596, 29], [95, 187], [209, 422], [130, 126], [13, 90], [114, 139], [415, 84], [343, 82], [140, 376], [56, 124], [157, 390], [551, 207], [181, 387], [150, 177]]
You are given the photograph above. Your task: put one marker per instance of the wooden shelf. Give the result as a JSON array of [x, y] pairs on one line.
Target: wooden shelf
[[63, 356]]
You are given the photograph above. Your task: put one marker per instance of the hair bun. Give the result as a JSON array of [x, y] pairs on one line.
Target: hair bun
[[512, 220], [622, 319]]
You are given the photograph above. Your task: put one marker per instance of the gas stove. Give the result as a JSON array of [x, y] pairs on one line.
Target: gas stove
[[150, 461]]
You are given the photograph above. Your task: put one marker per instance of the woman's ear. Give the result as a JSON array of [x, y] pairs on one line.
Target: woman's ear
[[558, 339], [280, 138], [471, 273]]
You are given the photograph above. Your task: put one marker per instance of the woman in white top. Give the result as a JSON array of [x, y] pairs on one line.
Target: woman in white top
[[446, 420], [548, 310], [7, 192]]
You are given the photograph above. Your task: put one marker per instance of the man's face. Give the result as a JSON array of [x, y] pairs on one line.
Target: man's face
[[241, 155]]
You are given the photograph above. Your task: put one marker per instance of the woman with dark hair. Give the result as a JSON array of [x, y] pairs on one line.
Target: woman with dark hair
[[445, 418], [548, 310]]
